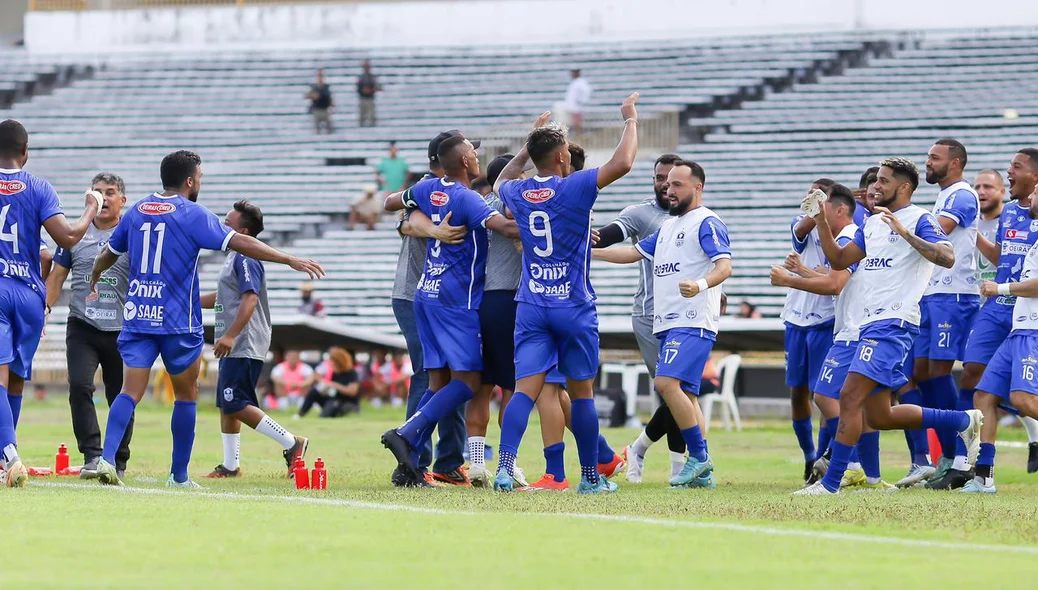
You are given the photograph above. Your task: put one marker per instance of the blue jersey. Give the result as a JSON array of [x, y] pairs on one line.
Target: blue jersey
[[25, 203], [860, 214], [1017, 232], [453, 275], [554, 218], [163, 237]]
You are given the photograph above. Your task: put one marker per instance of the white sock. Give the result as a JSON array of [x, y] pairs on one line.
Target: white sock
[[9, 455], [231, 450], [276, 432], [641, 445], [872, 480], [477, 450], [677, 463], [987, 481], [1031, 426], [854, 467], [960, 463]]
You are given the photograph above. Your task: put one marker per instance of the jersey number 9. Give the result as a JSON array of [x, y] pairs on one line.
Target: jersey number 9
[[544, 232]]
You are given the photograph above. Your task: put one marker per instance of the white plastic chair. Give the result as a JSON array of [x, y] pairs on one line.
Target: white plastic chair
[[727, 368]]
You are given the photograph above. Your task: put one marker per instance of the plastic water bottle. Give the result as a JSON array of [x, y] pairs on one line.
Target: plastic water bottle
[[319, 476]]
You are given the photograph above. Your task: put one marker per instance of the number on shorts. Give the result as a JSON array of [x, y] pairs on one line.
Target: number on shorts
[[542, 233], [827, 375], [865, 353], [1028, 373], [669, 355], [942, 340]]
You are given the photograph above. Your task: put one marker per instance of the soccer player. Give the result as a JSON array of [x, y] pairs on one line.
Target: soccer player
[[94, 324], [691, 257], [949, 304], [865, 197], [991, 190], [162, 235], [242, 339], [28, 205], [556, 319], [897, 249], [448, 298], [636, 223], [1010, 376]]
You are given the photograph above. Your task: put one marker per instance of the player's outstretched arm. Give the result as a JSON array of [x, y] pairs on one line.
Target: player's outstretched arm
[[67, 234], [840, 258], [394, 202], [514, 169], [105, 259], [418, 225], [55, 281], [624, 255], [223, 346], [1027, 289], [256, 249], [988, 249], [819, 284], [940, 253], [504, 226], [718, 274], [626, 151], [607, 236]]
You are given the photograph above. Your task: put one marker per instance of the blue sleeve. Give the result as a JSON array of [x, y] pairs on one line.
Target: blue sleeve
[[586, 184], [928, 229], [63, 257], [841, 242], [49, 204], [860, 214], [1000, 232], [209, 232], [798, 245], [648, 245], [859, 239], [713, 237], [962, 207], [117, 243], [476, 211], [250, 274]]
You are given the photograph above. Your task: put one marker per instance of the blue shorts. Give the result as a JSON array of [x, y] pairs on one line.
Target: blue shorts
[[883, 348], [683, 356], [834, 369], [945, 326], [563, 336], [1014, 366], [178, 351], [990, 329], [450, 336], [555, 378], [21, 326], [497, 324], [806, 349], [236, 384]]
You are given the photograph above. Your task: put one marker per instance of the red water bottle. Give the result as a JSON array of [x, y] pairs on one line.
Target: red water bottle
[[319, 476], [300, 474], [61, 459]]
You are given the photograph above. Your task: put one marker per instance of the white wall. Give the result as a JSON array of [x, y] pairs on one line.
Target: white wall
[[494, 21]]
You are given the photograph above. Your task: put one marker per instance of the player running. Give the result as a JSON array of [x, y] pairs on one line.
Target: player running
[[556, 319], [163, 235], [28, 204], [242, 339], [896, 264]]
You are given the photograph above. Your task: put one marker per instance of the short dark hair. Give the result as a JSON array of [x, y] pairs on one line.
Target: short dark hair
[[996, 173], [697, 170], [824, 183], [868, 177], [1032, 154], [956, 150], [251, 217], [110, 178], [14, 139], [841, 195], [904, 168], [446, 149], [392, 142], [577, 157], [177, 168], [666, 159], [481, 182], [544, 140]]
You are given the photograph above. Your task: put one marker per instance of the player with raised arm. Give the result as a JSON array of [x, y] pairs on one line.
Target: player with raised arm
[[28, 204], [242, 339], [691, 257], [449, 295], [556, 320], [163, 234], [897, 248]]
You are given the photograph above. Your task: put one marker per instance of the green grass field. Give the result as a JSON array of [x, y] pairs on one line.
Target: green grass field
[[259, 532]]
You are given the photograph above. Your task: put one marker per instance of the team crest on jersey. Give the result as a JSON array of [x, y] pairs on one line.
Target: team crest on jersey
[[11, 187], [1034, 225], [691, 314], [156, 208], [679, 240], [538, 195], [439, 198]]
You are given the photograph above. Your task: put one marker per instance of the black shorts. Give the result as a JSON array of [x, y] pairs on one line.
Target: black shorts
[[236, 384], [497, 324]]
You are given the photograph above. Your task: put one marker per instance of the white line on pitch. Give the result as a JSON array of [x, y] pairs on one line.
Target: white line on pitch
[[742, 528]]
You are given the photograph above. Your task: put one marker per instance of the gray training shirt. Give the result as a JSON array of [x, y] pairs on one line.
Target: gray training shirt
[[105, 312], [639, 222], [504, 261], [240, 275], [409, 266]]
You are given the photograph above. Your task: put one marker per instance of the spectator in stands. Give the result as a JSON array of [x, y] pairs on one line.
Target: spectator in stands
[[392, 172], [749, 311], [292, 379], [578, 95], [320, 96], [337, 389], [366, 209], [309, 305], [367, 87]]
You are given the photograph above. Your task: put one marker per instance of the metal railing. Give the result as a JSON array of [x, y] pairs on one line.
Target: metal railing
[[54, 5]]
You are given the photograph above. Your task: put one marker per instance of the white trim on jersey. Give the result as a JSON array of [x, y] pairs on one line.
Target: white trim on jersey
[[587, 252], [227, 240], [191, 295], [114, 251], [472, 269], [10, 170]]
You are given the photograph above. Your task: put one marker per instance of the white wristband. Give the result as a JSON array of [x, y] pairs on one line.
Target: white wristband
[[702, 284], [631, 120], [97, 197], [1003, 288]]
